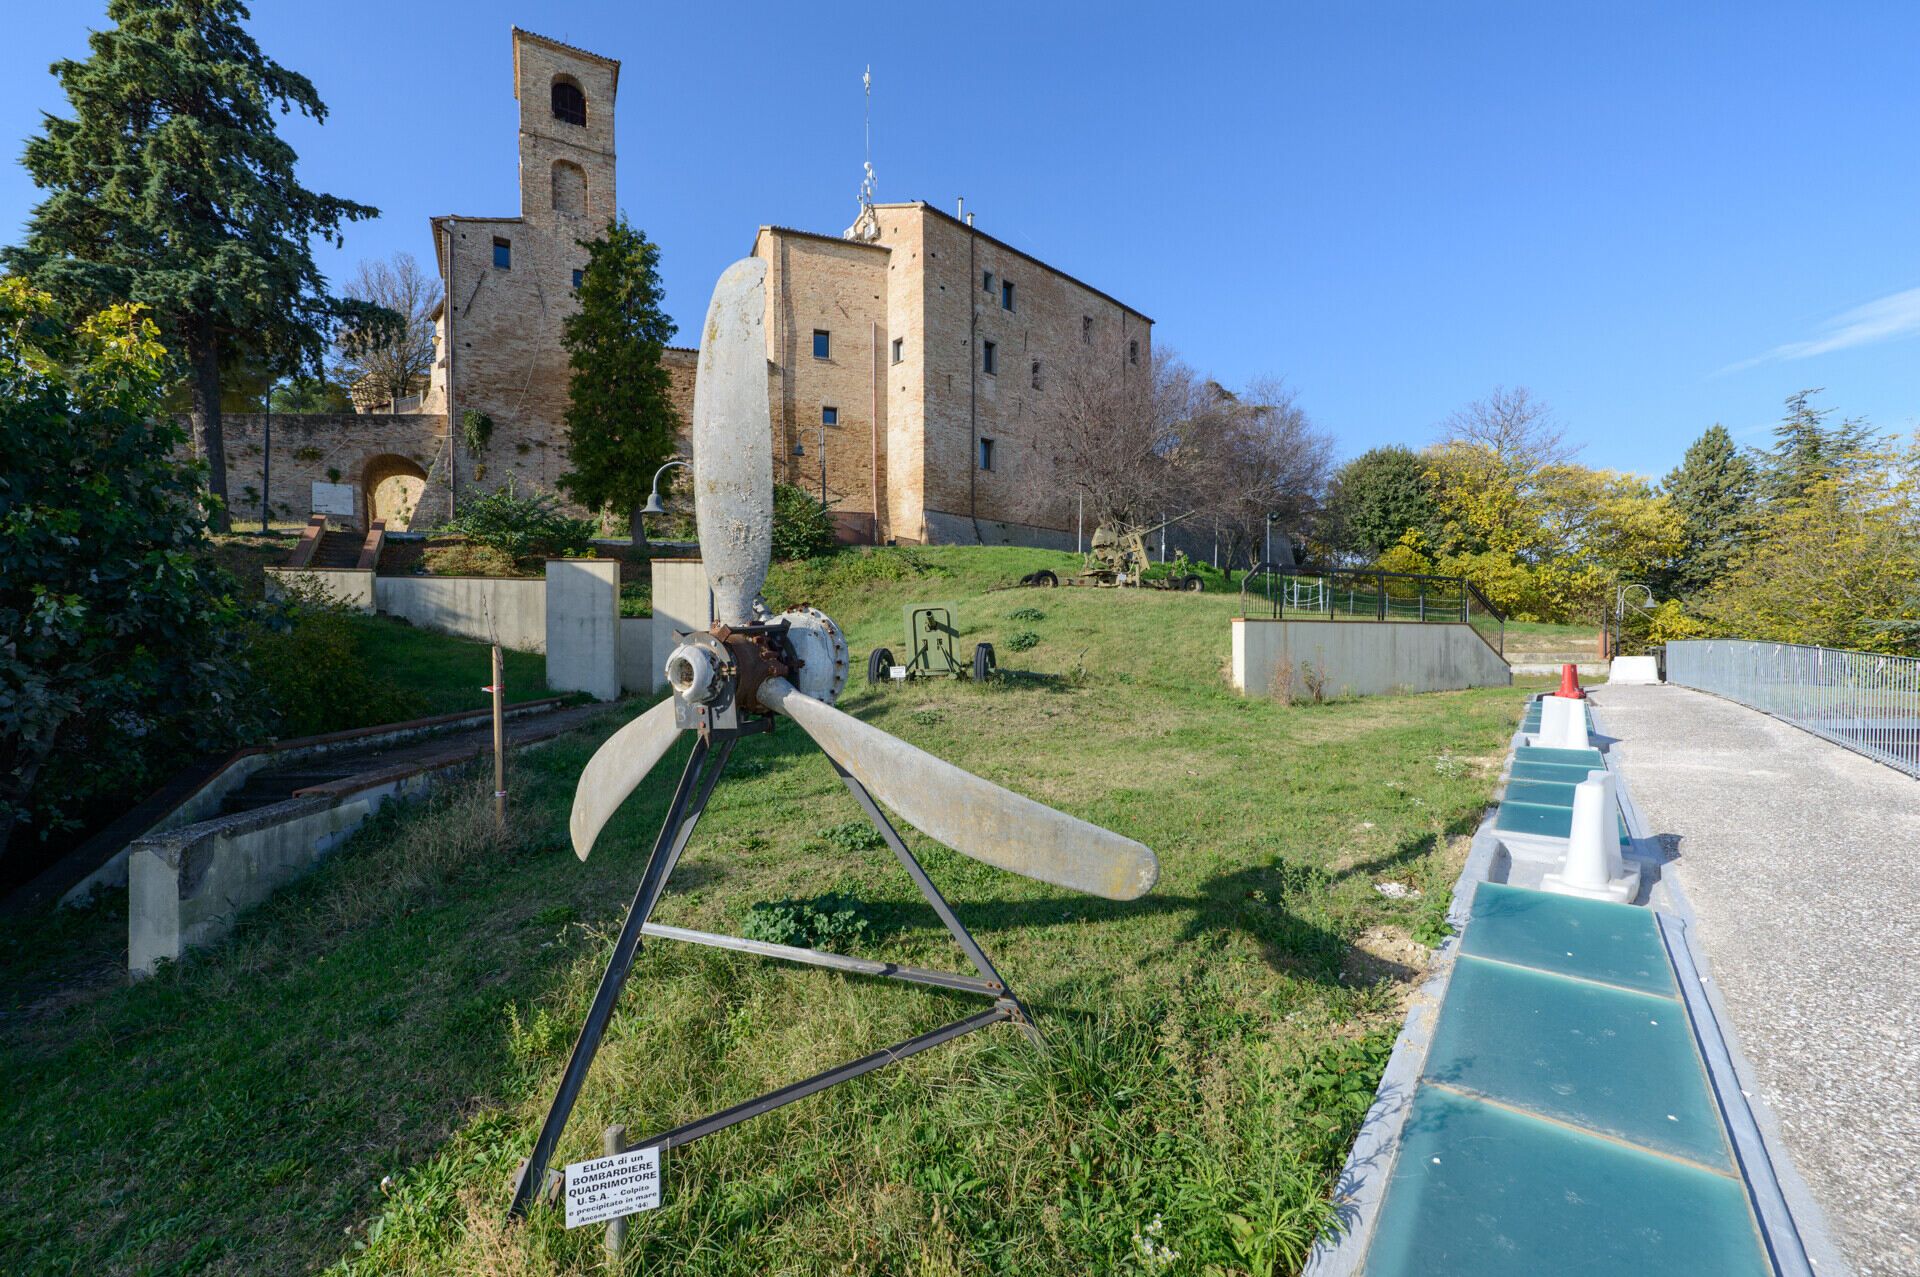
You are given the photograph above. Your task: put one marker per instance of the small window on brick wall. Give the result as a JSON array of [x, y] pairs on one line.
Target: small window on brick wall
[[1006, 294], [899, 349], [986, 454], [989, 358], [502, 253], [579, 278], [1086, 330], [822, 344], [1036, 374], [1133, 352], [986, 281], [829, 416]]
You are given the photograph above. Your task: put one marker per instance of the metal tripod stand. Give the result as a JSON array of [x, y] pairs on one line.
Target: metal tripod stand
[[705, 764]]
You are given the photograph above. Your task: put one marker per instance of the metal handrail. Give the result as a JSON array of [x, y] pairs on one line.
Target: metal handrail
[[1336, 595], [1867, 702]]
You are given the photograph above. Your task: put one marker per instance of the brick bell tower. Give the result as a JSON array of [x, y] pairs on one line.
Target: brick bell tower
[[566, 100]]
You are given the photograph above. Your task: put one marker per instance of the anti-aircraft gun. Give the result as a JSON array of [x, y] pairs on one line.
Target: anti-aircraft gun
[[1117, 556]]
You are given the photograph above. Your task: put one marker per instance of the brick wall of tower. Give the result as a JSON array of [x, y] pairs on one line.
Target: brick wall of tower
[[840, 288]]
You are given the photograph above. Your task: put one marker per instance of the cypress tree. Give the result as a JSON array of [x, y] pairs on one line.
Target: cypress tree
[[169, 187], [621, 423], [1712, 491]]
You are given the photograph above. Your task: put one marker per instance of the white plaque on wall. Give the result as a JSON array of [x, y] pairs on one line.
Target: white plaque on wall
[[333, 498]]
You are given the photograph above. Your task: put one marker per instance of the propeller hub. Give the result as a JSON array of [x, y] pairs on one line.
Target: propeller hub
[[692, 674]]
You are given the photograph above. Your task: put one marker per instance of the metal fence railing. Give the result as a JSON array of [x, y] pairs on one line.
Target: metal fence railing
[[1365, 595], [1865, 701]]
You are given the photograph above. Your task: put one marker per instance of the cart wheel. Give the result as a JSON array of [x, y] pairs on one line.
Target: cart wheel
[[983, 662], [1193, 585], [878, 665], [1044, 579]]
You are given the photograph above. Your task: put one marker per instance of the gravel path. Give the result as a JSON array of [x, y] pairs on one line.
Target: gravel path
[[1802, 862]]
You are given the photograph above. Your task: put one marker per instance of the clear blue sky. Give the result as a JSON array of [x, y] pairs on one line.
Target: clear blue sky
[[1656, 216]]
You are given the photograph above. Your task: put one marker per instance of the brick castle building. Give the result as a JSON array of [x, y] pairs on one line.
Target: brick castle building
[[915, 348]]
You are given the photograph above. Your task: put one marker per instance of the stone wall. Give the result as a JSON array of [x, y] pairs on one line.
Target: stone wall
[[357, 449]]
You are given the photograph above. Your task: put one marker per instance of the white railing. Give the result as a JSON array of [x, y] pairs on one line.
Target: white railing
[[1865, 701]]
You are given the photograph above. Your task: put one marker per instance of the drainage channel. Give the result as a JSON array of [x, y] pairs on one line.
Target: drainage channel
[[1561, 1098]]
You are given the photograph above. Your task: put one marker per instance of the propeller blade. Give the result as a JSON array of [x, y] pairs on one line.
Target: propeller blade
[[616, 770], [973, 816], [732, 442]]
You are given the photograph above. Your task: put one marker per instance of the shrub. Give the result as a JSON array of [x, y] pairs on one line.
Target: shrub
[[1026, 614], [313, 679], [520, 527], [802, 526], [1020, 640], [832, 921]]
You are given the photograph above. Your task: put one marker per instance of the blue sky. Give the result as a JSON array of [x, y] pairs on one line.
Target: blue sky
[[1656, 216]]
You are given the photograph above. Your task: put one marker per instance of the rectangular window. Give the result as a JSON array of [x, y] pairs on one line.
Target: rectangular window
[[899, 349], [822, 344], [502, 253], [579, 277], [1133, 352], [986, 281], [989, 358], [986, 454], [1036, 374], [829, 416], [1006, 294], [1086, 330]]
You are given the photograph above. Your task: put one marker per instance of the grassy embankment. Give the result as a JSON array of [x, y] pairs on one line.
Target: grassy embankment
[[406, 1010]]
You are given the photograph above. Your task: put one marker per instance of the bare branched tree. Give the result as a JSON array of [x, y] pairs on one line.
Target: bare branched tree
[[383, 363], [1517, 428], [1256, 455], [1116, 438]]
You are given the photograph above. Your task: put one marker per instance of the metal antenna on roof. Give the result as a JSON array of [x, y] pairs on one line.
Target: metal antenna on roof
[[866, 226]]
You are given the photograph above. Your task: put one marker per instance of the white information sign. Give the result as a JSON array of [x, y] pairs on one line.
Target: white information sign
[[896, 671], [333, 498], [608, 1187]]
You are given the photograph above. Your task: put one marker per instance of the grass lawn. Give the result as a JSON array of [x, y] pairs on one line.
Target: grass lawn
[[447, 673], [406, 1010]]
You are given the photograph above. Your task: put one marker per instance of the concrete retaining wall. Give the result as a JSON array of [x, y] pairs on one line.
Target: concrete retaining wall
[[510, 611], [187, 886], [1362, 658], [351, 586], [583, 627], [638, 673], [681, 603]]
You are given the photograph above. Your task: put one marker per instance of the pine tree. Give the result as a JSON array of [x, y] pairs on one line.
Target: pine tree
[[1712, 491], [621, 423], [1806, 449], [169, 187]]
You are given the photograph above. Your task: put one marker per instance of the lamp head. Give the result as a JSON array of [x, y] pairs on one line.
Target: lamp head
[[653, 504]]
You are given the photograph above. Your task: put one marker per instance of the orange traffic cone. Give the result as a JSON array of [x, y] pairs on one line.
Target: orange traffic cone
[[1570, 684]]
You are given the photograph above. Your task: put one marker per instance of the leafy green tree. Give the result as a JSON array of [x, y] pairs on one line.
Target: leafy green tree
[[121, 650], [621, 422], [169, 187], [1378, 498], [1713, 492]]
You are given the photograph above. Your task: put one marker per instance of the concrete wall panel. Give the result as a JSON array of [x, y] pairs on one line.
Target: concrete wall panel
[[1362, 658], [506, 610], [583, 627]]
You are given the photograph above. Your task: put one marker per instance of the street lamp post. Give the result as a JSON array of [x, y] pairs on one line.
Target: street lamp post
[[653, 505], [1270, 520], [266, 461]]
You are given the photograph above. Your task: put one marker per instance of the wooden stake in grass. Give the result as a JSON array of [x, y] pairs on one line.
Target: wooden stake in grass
[[614, 1140], [499, 690]]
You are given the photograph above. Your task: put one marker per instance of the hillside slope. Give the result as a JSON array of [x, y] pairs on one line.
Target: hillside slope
[[406, 1010]]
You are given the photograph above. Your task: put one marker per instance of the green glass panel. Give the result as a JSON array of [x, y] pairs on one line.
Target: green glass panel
[[1478, 1191], [1550, 771], [1534, 818], [1592, 939], [1592, 1055], [1548, 793]]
